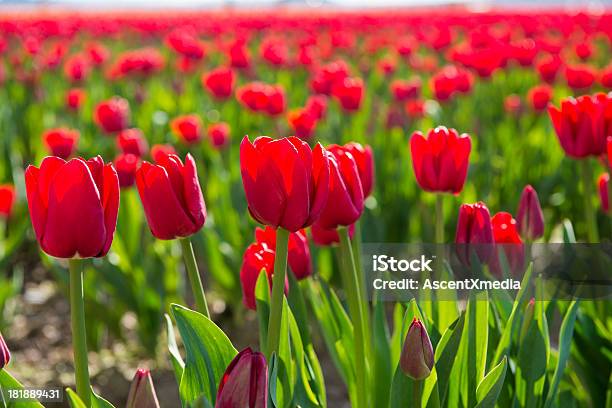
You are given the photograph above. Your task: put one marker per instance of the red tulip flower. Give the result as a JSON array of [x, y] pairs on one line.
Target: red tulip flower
[[583, 50], [548, 67], [474, 233], [417, 357], [530, 218], [126, 165], [142, 392], [132, 141], [441, 160], [364, 159], [604, 185], [579, 77], [238, 54], [505, 233], [302, 122], [188, 128], [404, 90], [112, 115], [219, 134], [256, 257], [298, 251], [328, 236], [7, 200], [349, 93], [317, 106], [77, 68], [286, 183], [61, 142], [415, 109], [245, 382], [171, 196], [219, 82], [73, 206], [539, 97], [606, 77], [158, 151], [5, 354], [75, 98]]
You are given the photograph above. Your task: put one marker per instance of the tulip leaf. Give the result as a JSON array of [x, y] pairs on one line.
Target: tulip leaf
[[208, 353], [489, 388], [262, 300], [74, 400], [8, 382], [201, 402], [565, 342], [446, 353], [99, 402], [178, 364], [475, 340], [382, 357]]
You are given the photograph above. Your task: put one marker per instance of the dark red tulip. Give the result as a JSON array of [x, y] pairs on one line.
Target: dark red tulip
[[188, 128], [530, 218], [364, 159], [142, 392], [579, 77], [298, 200], [238, 54], [302, 122], [440, 161], [132, 141], [256, 257], [126, 165], [264, 98], [345, 203], [171, 196], [604, 185], [505, 233], [7, 199], [582, 124], [403, 90], [474, 233], [327, 236], [539, 97], [548, 67], [299, 253], [75, 98], [245, 382], [417, 357], [5, 354], [112, 115], [219, 134], [583, 50], [328, 76], [61, 142], [158, 151], [349, 92], [73, 206], [219, 82]]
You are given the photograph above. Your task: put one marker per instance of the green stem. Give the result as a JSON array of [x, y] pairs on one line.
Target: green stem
[[587, 192], [79, 337], [356, 247], [416, 393], [278, 287], [194, 277], [351, 287], [439, 218]]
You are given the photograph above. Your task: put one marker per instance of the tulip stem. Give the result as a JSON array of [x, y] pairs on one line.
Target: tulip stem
[[416, 393], [194, 277], [278, 287], [439, 218], [587, 192], [79, 336], [351, 287]]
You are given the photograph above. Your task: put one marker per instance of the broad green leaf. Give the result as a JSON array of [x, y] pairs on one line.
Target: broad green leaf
[[8, 382], [178, 364], [262, 300], [490, 386], [74, 400], [99, 402], [382, 357], [208, 353], [446, 354], [474, 345]]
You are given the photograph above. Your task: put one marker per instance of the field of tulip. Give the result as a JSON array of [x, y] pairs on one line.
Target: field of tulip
[[193, 197]]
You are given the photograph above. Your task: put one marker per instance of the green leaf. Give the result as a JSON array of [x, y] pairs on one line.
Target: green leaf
[[208, 353], [99, 402], [175, 356], [8, 382], [489, 388], [382, 357], [262, 300], [446, 354], [74, 400], [476, 334]]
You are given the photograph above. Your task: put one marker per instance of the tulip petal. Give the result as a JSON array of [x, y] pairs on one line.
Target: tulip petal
[[320, 176], [110, 203], [196, 207]]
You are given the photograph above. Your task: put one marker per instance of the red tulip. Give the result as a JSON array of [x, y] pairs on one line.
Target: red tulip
[[441, 160], [415, 109], [328, 76], [158, 151], [474, 232], [5, 354], [238, 54], [286, 183], [219, 134], [579, 77], [98, 53], [75, 98], [171, 196], [530, 218], [349, 93], [256, 257], [260, 97], [245, 382], [132, 141], [61, 142], [186, 43], [345, 203], [539, 96], [583, 50], [7, 199], [364, 159], [274, 51], [604, 185], [582, 124], [126, 165], [112, 115], [303, 122], [299, 252], [142, 392], [188, 128], [219, 82], [606, 77], [328, 236], [317, 106], [417, 357], [404, 90], [77, 68], [506, 234], [73, 206], [548, 67]]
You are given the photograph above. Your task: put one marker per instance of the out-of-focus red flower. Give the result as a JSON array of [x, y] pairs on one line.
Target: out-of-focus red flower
[[406, 46], [317, 105], [604, 197], [296, 202], [7, 201], [403, 90], [132, 141], [539, 97], [415, 109], [505, 234], [606, 77], [188, 128], [524, 52], [219, 82], [441, 160], [364, 158], [256, 257], [448, 81], [584, 50], [61, 142], [328, 236], [530, 218], [548, 67], [75, 98], [302, 121], [238, 54], [139, 63], [474, 233], [126, 165], [305, 55], [112, 115], [349, 93], [299, 253], [160, 150], [326, 77], [245, 382], [219, 134], [579, 77], [171, 197], [98, 54], [53, 57], [513, 104], [387, 65], [274, 51], [582, 124], [73, 206], [186, 44], [260, 97], [76, 67]]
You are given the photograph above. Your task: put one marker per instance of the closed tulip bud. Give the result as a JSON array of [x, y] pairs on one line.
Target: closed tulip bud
[[7, 200], [132, 141], [417, 358], [245, 382], [298, 257], [298, 199], [188, 128], [441, 160], [126, 165], [539, 97], [219, 82], [142, 392], [345, 203], [349, 92], [328, 236], [604, 185], [530, 218], [112, 115], [5, 354], [73, 206], [158, 151], [171, 197], [474, 233], [579, 77], [219, 134], [75, 98], [506, 234], [61, 142], [364, 158], [303, 122]]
